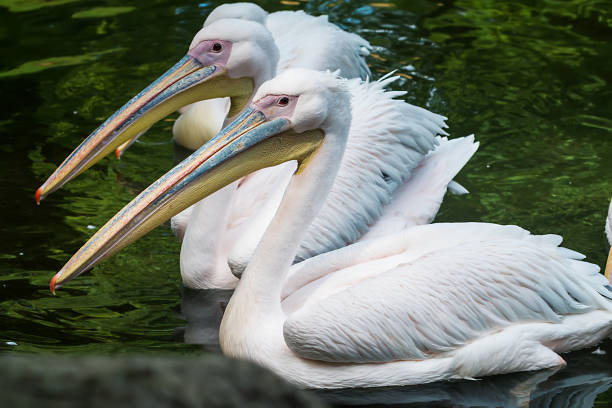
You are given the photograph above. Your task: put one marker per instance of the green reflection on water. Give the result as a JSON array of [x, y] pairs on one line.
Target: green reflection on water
[[100, 12], [32, 67], [29, 5], [530, 79]]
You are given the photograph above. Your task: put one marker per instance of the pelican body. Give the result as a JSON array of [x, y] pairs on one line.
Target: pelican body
[[433, 302]]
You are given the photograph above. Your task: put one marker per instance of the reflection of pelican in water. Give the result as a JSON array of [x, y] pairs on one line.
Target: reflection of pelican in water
[[203, 311], [575, 386], [434, 302]]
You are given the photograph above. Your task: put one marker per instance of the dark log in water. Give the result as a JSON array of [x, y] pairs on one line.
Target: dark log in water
[[153, 382]]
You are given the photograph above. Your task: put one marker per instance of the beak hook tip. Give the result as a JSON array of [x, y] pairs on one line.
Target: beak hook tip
[[118, 153], [37, 195], [52, 284]]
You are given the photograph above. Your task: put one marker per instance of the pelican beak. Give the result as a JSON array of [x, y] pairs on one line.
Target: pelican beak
[[251, 142], [609, 266], [188, 81]]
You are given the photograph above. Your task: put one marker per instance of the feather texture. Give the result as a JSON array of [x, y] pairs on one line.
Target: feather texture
[[468, 290], [418, 200], [327, 45], [388, 138]]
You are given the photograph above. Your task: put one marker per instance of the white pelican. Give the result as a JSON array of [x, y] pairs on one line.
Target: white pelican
[[379, 159], [434, 302]]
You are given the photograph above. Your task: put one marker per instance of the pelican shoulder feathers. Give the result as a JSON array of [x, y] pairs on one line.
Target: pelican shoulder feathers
[[417, 201], [387, 139], [328, 46]]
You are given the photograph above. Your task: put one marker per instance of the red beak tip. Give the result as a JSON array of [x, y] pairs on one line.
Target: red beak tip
[[37, 196], [118, 153], [52, 284]]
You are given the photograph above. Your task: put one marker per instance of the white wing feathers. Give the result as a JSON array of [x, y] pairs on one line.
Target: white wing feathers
[[327, 46], [406, 246], [388, 138], [447, 298], [418, 200]]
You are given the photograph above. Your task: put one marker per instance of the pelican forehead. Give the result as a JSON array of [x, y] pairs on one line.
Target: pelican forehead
[[234, 30], [302, 81], [241, 11]]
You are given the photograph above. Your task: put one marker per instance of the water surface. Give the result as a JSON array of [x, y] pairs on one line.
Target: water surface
[[531, 79]]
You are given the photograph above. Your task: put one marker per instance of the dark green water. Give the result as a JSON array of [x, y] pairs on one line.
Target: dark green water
[[530, 78]]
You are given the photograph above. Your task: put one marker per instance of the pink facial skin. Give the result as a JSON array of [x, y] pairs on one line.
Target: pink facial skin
[[211, 52], [277, 106]]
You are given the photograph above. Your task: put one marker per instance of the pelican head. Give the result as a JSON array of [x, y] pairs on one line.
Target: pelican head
[[291, 118], [227, 58]]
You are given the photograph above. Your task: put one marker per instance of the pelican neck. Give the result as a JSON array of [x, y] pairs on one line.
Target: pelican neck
[[256, 303]]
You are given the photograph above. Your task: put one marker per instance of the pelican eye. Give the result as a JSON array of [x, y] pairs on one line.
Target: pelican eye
[[284, 101], [216, 47]]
